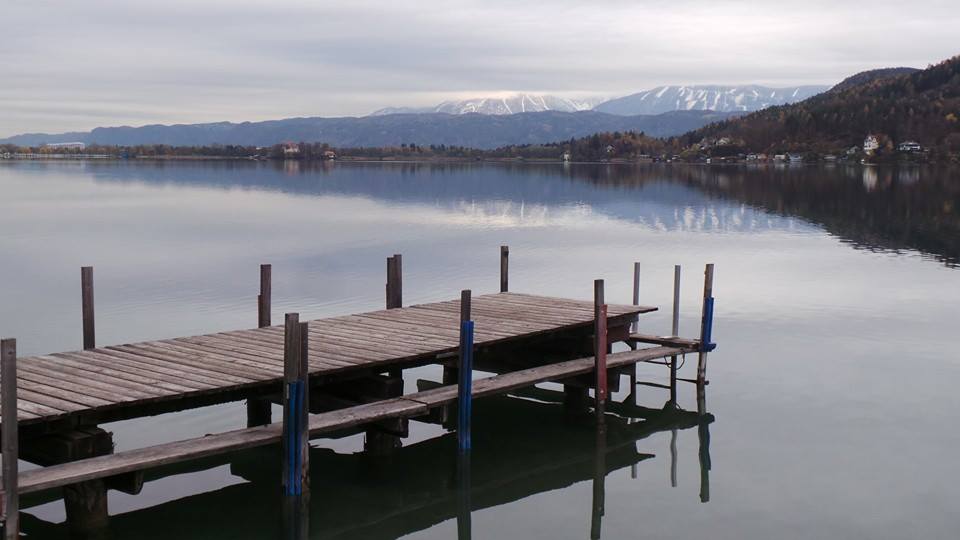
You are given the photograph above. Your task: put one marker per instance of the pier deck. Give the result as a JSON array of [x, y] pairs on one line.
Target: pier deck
[[119, 381], [332, 377]]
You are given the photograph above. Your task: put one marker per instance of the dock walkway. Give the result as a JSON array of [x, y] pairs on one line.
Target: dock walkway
[[332, 377], [121, 379]]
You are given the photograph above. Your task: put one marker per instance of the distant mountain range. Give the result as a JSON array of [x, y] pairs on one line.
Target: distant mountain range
[[707, 98], [471, 130], [657, 101], [517, 103]]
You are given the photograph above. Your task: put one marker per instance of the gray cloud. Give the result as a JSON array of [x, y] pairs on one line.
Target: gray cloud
[[68, 65]]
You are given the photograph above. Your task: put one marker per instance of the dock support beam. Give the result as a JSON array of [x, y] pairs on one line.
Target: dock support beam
[[504, 268], [600, 349], [86, 297], [465, 386], [9, 444], [86, 502], [296, 437], [258, 409]]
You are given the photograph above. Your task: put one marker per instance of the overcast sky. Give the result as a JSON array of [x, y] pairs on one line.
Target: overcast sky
[[74, 65]]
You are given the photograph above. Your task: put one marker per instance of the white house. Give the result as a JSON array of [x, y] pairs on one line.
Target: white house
[[291, 149], [870, 144], [909, 146], [67, 145]]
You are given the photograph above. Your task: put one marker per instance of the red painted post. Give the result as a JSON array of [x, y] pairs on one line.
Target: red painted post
[[600, 349]]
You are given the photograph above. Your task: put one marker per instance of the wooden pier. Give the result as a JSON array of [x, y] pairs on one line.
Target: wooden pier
[[331, 375]]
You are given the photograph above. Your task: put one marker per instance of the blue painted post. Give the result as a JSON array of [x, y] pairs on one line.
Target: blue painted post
[[465, 386], [706, 325], [294, 457]]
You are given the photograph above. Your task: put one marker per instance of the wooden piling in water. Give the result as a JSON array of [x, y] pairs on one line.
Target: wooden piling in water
[[303, 417], [295, 458], [394, 291], [394, 282], [504, 268], [259, 409], [465, 386], [600, 348], [635, 327], [264, 299], [86, 298], [706, 324], [675, 332], [9, 443]]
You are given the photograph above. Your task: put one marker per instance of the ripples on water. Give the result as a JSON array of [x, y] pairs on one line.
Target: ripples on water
[[836, 303]]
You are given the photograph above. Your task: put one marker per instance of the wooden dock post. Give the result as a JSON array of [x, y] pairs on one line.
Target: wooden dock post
[[635, 327], [8, 412], [303, 416], [394, 291], [675, 332], [706, 325], [394, 282], [600, 348], [465, 386], [259, 409], [264, 299], [86, 296], [504, 268], [295, 456]]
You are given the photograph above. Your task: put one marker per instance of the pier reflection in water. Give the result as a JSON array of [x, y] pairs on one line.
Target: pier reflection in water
[[523, 445]]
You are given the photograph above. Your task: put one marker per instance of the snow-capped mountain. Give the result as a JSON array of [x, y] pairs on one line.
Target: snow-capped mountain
[[516, 103], [716, 98]]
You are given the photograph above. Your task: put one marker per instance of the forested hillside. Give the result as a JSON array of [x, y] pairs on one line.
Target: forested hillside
[[922, 106]]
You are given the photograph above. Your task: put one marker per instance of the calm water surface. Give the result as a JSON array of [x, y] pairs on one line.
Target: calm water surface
[[833, 387]]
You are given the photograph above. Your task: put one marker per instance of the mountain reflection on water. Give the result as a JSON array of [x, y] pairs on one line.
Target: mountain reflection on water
[[876, 208]]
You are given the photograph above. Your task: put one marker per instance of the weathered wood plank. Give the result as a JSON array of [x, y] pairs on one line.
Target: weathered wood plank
[[131, 380], [187, 374], [669, 341], [94, 396]]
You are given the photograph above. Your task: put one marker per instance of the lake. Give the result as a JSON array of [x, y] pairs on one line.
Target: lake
[[833, 386]]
